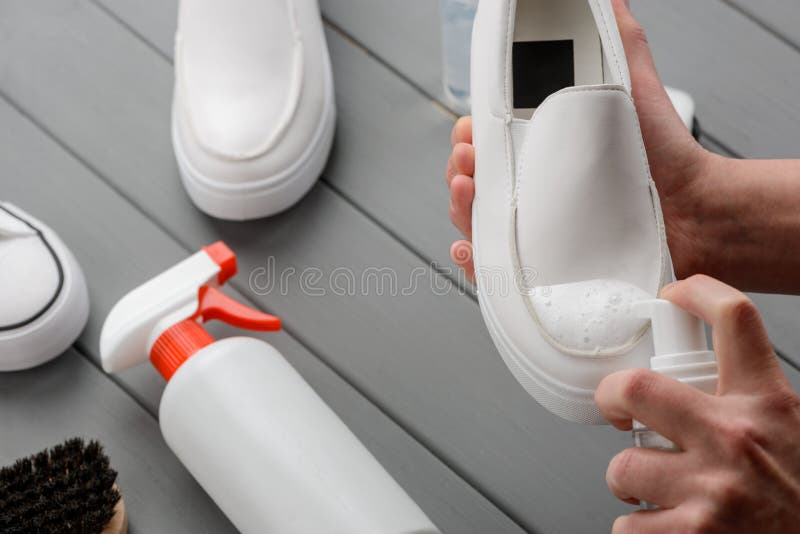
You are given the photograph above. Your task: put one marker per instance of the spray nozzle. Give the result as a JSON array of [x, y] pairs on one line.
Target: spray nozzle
[[680, 345], [160, 318], [675, 331]]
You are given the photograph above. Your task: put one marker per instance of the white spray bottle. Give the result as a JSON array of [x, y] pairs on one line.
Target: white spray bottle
[[255, 435], [680, 352]]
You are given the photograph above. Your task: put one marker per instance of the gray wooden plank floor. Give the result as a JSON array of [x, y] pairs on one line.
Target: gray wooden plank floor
[[780, 17], [119, 248], [431, 372], [745, 90], [87, 86], [70, 397]]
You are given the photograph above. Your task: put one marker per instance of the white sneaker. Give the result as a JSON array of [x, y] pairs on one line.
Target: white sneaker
[[567, 225], [253, 110], [43, 299], [685, 106]]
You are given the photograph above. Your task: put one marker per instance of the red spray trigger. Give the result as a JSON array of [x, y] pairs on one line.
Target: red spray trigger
[[180, 341], [214, 304]]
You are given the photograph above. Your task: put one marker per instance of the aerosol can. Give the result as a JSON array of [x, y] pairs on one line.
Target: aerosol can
[[255, 435]]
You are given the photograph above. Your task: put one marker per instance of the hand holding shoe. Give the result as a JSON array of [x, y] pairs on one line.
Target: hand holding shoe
[[739, 468], [677, 161], [735, 220]]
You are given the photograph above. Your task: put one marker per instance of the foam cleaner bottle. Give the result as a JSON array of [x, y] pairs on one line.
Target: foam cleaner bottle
[[261, 442], [680, 352]]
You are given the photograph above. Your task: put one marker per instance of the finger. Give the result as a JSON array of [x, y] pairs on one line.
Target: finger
[[464, 159], [744, 352], [461, 253], [451, 172], [462, 131], [656, 477], [637, 49], [674, 410], [652, 522], [462, 193], [646, 84]]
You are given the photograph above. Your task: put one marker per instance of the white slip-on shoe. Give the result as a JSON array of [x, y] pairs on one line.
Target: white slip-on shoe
[[685, 106], [567, 224], [253, 112], [44, 303]]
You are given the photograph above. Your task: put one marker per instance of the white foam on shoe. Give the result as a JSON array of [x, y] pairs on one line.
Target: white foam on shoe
[[591, 316]]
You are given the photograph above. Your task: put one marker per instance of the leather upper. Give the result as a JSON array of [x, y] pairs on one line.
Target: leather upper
[[584, 198], [240, 73], [31, 276], [252, 83], [562, 200]]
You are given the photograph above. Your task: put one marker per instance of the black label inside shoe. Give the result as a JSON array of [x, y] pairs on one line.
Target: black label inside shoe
[[540, 69]]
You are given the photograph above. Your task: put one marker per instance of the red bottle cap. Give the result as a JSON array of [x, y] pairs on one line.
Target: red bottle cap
[[179, 342], [176, 345]]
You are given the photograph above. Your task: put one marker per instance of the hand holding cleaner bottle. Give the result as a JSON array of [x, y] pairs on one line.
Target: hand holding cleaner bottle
[[680, 352], [255, 435]]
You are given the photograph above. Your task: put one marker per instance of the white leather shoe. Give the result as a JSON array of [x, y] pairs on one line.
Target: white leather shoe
[[253, 110], [43, 299], [567, 225], [685, 106]]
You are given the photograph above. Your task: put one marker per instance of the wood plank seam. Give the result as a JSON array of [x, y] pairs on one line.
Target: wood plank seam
[[728, 151], [69, 139], [132, 30], [83, 351], [447, 110], [444, 108], [787, 359], [338, 192], [764, 25], [464, 288]]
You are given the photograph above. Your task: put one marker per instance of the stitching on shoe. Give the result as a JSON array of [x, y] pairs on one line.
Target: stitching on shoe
[[510, 186], [511, 165], [506, 59], [611, 42], [625, 348]]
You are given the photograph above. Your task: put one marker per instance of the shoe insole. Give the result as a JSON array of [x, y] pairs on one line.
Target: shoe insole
[[556, 45]]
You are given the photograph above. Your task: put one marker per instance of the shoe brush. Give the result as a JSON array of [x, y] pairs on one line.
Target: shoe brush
[[68, 489]]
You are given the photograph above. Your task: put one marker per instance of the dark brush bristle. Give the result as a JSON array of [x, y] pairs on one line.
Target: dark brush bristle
[[68, 489]]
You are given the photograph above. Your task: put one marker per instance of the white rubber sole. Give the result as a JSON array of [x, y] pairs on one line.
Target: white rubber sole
[[271, 194], [53, 332], [566, 402]]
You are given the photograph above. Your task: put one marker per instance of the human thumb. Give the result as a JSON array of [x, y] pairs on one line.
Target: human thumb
[[644, 75]]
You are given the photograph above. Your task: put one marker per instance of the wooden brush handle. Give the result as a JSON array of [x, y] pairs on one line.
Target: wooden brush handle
[[119, 522]]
